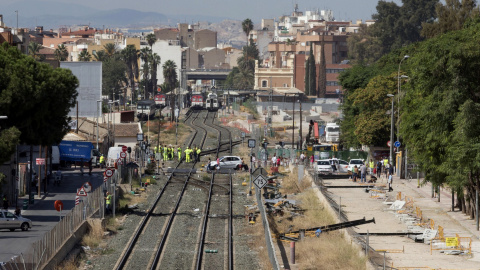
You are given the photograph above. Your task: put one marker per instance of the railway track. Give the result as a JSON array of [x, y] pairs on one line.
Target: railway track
[[169, 236]]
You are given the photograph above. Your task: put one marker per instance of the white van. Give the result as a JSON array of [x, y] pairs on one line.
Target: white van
[[55, 158], [113, 155]]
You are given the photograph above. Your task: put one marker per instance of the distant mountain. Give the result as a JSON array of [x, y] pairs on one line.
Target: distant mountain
[[54, 14]]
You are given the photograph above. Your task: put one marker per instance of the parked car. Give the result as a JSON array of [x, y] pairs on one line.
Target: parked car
[[337, 166], [353, 162], [227, 162], [11, 221], [323, 167]]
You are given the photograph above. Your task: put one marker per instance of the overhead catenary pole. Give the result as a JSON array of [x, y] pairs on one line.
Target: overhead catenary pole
[[293, 123], [301, 135], [391, 131]]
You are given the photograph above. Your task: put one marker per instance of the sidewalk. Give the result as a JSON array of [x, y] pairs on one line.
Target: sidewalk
[[357, 203]]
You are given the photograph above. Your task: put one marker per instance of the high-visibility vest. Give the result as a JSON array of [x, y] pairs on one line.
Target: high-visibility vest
[[372, 164], [179, 150], [199, 151], [156, 149], [385, 162], [109, 199], [102, 159]]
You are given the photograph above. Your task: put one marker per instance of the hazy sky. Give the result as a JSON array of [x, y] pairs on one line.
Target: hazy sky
[[235, 9]]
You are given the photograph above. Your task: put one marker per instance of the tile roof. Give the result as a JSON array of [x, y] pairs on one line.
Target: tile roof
[[126, 130]]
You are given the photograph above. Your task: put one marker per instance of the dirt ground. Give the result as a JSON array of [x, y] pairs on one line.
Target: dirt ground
[[357, 203]]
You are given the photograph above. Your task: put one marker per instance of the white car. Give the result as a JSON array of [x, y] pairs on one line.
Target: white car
[[10, 221], [330, 166], [323, 166], [227, 162], [353, 162]]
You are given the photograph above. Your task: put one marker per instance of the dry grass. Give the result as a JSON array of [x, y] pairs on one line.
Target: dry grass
[[68, 264], [257, 243], [94, 235], [331, 250]]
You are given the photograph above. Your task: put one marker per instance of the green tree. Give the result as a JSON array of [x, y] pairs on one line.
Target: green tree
[[247, 27], [170, 75], [451, 16], [145, 54], [61, 53], [34, 51], [130, 57], [396, 26], [363, 47], [114, 78], [35, 97], [110, 49], [154, 62], [310, 74], [322, 72], [244, 79], [100, 56], [84, 55], [151, 38]]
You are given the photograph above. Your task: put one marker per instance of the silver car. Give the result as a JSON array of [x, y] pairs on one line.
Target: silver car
[[227, 162], [11, 221]]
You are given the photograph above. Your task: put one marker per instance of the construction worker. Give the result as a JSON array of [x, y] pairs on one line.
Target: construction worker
[[179, 153], [109, 202], [371, 165], [155, 150], [165, 157], [171, 153], [187, 154], [198, 154], [102, 161], [194, 151]]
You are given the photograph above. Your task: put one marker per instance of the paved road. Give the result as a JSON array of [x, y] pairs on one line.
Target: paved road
[[42, 213]]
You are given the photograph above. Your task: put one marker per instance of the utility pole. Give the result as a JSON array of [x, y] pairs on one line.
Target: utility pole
[[293, 121], [16, 11], [301, 135]]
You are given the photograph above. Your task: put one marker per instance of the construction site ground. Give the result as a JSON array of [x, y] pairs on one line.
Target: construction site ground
[[357, 203]]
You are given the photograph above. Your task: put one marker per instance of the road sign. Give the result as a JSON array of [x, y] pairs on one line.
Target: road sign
[[119, 161], [251, 143], [260, 181], [451, 241], [388, 143], [243, 134], [397, 144], [105, 179], [123, 155], [87, 186], [108, 172], [58, 205], [139, 137], [40, 161], [124, 149], [77, 200], [82, 192]]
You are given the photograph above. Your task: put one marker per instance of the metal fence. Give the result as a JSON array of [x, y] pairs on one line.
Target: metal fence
[[43, 250], [268, 234]]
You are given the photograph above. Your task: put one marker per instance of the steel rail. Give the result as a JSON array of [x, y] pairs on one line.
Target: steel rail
[[230, 226], [159, 251], [125, 256], [204, 226]]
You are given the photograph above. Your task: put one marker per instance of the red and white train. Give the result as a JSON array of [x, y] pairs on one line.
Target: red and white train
[[160, 100], [197, 100]]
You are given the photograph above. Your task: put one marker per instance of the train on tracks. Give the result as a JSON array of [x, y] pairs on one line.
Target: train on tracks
[[146, 109], [197, 100], [160, 100], [212, 103]]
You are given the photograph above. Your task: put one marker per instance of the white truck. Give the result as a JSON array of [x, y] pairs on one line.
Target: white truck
[[332, 133]]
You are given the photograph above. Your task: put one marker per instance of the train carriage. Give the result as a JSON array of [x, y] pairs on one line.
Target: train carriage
[[160, 100], [146, 109], [212, 102], [197, 100]]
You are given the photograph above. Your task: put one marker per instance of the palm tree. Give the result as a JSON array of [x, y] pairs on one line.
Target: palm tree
[[170, 75], [155, 61], [244, 79], [145, 54], [110, 49], [61, 53], [34, 50], [84, 56], [100, 56], [130, 56], [247, 26], [151, 38]]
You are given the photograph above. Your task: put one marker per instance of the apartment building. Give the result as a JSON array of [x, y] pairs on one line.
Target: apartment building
[[15, 37]]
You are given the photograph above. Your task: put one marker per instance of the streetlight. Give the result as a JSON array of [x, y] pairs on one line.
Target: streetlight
[[391, 131], [399, 82], [301, 138]]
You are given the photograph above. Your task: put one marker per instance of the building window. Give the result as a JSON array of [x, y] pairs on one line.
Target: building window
[[332, 83], [264, 83], [334, 70], [285, 85]]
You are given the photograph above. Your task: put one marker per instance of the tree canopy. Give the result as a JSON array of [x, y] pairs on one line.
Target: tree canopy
[[36, 99]]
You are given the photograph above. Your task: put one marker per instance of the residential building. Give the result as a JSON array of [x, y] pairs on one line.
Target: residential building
[[15, 37]]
